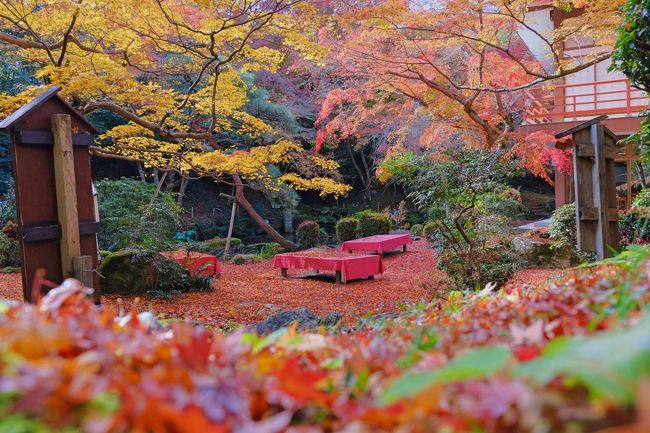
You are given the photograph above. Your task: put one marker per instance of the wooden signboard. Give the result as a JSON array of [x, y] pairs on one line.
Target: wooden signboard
[[55, 206], [594, 179]]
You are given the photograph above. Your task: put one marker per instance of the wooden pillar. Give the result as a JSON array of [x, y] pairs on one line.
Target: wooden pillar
[[83, 270], [66, 191]]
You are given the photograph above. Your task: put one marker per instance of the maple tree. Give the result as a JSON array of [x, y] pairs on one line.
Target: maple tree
[[173, 72], [457, 70]]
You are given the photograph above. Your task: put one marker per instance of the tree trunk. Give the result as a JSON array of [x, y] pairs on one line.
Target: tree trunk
[[241, 199], [226, 250], [287, 216], [181, 191], [143, 175]]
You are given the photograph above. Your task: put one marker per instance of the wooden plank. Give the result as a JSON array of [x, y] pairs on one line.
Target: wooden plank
[[587, 150], [83, 270], [66, 191], [600, 186], [42, 137], [51, 232], [588, 214], [584, 198]]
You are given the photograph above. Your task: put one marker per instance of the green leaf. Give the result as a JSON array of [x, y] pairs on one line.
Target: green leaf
[[476, 364]]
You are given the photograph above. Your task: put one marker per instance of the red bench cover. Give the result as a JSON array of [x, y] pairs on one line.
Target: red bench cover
[[199, 265], [352, 267], [379, 243]]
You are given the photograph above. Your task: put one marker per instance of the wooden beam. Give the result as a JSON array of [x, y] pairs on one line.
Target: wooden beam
[[587, 150], [66, 191], [41, 137], [51, 232], [83, 270]]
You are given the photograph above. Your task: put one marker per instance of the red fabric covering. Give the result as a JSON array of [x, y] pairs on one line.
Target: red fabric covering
[[198, 265], [379, 243], [352, 267]]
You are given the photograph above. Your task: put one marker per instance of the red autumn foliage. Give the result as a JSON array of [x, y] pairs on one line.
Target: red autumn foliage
[[67, 362]]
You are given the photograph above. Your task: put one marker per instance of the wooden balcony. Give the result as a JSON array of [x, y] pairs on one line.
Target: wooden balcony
[[575, 102]]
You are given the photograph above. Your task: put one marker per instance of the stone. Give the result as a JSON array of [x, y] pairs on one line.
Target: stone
[[306, 320], [524, 245]]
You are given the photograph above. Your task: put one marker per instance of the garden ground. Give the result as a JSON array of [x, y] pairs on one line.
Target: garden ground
[[251, 292]]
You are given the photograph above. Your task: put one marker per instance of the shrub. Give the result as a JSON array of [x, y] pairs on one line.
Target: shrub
[[242, 259], [470, 204], [129, 272], [642, 199], [308, 233], [417, 229], [9, 251], [429, 230], [634, 226], [8, 203], [373, 223], [129, 221], [475, 269], [346, 229], [563, 225]]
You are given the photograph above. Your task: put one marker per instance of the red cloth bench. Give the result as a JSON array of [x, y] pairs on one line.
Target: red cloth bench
[[346, 267], [378, 243], [197, 264]]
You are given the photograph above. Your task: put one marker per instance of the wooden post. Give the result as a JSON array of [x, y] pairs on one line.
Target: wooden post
[[230, 228], [600, 190], [284, 272], [83, 270], [338, 278], [66, 191]]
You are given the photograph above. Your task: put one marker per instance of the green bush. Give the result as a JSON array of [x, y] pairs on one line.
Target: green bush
[[129, 272], [8, 202], [129, 221], [346, 229], [309, 234], [495, 264], [417, 229], [218, 243], [266, 250], [642, 199], [9, 251], [563, 225], [242, 259], [634, 226], [373, 223], [429, 230]]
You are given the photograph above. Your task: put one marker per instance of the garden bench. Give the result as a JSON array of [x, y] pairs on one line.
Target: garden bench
[[197, 264], [346, 267], [378, 243]]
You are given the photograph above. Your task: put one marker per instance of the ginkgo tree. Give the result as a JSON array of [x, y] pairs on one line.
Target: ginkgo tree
[[458, 69], [172, 70]]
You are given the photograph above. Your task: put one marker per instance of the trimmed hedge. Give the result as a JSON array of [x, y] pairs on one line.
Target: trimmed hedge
[[373, 223], [417, 229], [346, 229], [308, 233]]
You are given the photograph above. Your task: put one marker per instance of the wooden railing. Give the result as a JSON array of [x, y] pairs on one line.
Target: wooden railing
[[567, 102]]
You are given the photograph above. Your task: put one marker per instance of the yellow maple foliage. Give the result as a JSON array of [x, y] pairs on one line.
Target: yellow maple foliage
[[173, 70]]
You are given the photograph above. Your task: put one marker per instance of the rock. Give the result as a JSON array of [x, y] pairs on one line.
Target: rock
[[524, 245], [306, 320], [127, 272], [332, 319], [544, 253]]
